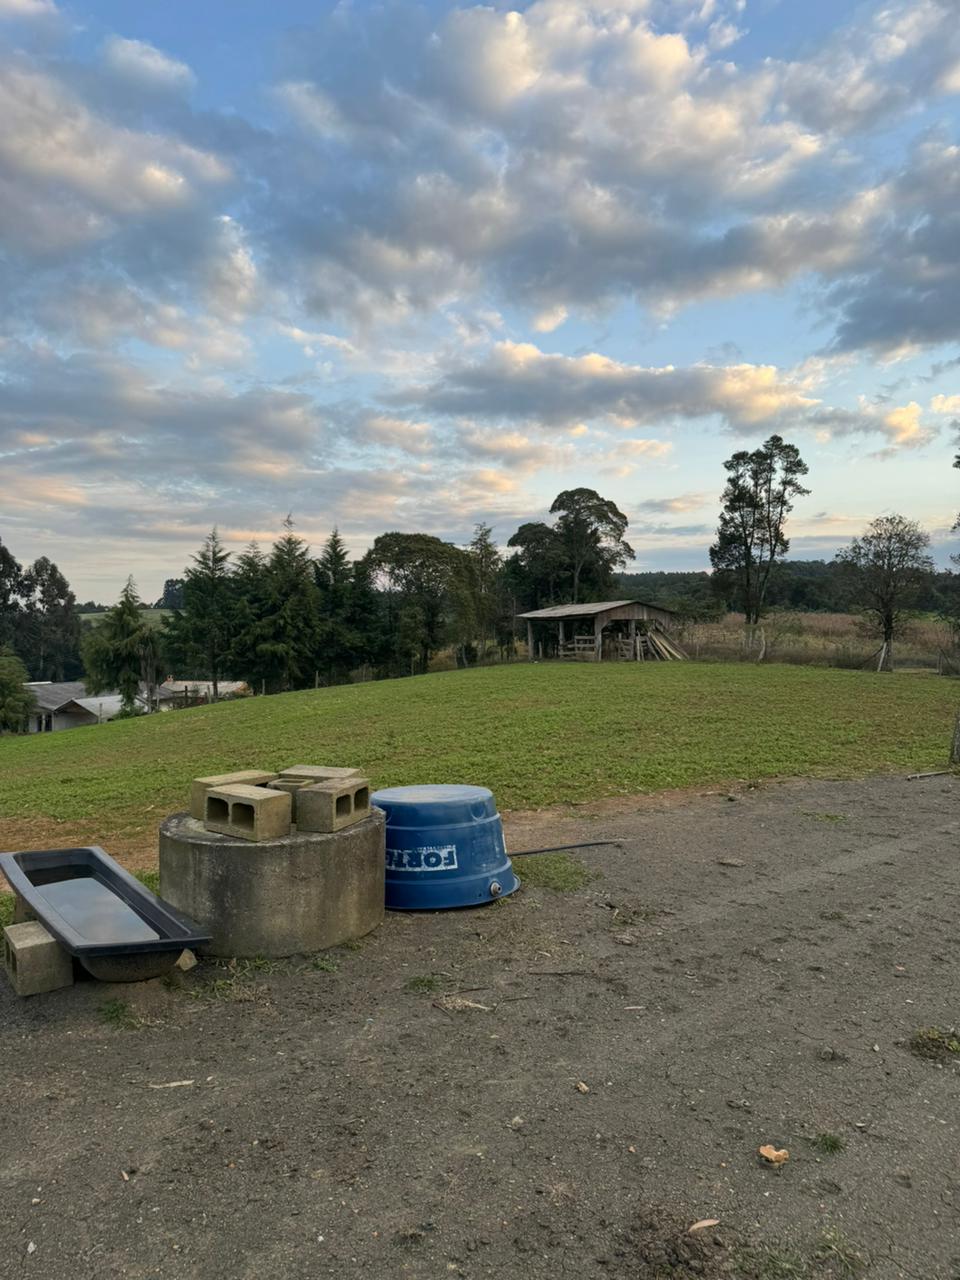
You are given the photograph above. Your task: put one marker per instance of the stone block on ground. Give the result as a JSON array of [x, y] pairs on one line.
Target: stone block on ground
[[248, 813], [331, 806], [200, 786], [35, 962]]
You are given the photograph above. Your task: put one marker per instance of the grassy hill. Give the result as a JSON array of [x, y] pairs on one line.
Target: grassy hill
[[536, 734]]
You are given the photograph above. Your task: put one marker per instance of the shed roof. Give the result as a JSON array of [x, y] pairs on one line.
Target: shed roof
[[587, 610]]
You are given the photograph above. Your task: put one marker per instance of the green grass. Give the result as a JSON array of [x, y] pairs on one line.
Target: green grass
[[536, 734], [554, 871], [830, 1144], [119, 1015], [425, 983], [6, 909], [932, 1042]]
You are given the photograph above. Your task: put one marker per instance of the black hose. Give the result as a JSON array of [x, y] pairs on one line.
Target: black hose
[[561, 848]]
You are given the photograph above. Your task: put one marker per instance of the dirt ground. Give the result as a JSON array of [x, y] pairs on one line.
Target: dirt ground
[[742, 970]]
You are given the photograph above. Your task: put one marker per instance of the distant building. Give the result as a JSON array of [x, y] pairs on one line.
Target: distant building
[[65, 704]]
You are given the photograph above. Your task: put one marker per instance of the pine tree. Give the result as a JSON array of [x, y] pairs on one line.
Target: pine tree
[[334, 579], [123, 652], [250, 589], [201, 633], [282, 622], [484, 572]]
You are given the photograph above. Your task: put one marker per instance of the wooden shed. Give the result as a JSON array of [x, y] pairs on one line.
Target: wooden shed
[[626, 629]]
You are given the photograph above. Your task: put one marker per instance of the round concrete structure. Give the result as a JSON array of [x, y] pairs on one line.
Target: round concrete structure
[[300, 893]]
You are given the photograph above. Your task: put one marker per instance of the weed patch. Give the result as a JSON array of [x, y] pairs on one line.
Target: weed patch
[[558, 871], [6, 909], [830, 1144], [931, 1042], [425, 983], [119, 1015]]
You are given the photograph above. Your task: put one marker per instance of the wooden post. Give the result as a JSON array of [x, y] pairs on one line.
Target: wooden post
[[955, 748], [529, 640], [632, 630], [560, 623], [598, 637]]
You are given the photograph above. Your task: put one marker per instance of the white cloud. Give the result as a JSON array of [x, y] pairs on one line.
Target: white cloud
[[146, 66], [27, 9], [945, 404]]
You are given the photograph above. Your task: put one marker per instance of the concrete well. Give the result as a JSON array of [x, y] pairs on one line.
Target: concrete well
[[299, 893]]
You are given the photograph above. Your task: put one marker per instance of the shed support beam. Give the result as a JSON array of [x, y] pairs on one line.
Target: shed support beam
[[529, 640], [598, 636]]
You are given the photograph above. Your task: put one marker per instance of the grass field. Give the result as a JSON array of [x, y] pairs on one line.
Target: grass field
[[536, 734]]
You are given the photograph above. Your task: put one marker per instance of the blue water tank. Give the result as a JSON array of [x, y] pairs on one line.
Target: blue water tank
[[444, 848]]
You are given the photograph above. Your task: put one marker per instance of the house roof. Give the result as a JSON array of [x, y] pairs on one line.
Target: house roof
[[558, 611], [51, 695], [104, 705]]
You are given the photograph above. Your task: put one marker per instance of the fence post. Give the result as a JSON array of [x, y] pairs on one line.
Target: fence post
[[955, 745]]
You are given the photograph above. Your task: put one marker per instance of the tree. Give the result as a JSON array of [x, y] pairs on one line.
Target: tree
[[538, 564], [123, 652], [591, 530], [11, 589], [16, 700], [277, 619], [50, 623], [484, 583], [417, 572], [198, 635], [172, 597], [760, 490], [889, 565], [334, 579]]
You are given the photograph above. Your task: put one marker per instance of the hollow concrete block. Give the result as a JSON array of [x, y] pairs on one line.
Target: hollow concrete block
[[298, 894], [200, 786], [35, 962], [291, 786], [248, 813], [319, 772], [331, 806]]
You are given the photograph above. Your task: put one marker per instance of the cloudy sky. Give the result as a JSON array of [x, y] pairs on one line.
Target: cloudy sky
[[390, 266]]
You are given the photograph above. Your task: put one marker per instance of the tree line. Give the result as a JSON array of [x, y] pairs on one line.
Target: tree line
[[283, 619]]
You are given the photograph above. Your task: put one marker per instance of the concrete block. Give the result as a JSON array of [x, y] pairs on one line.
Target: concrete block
[[283, 897], [291, 786], [35, 962], [331, 806], [200, 786], [248, 813], [319, 772]]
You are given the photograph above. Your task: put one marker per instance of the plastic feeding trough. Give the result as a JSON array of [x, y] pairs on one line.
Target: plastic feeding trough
[[444, 848], [114, 925]]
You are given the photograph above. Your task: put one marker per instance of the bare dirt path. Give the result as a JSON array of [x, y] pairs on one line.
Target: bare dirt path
[[740, 971]]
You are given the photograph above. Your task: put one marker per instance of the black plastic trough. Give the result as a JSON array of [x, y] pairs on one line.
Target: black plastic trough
[[114, 925]]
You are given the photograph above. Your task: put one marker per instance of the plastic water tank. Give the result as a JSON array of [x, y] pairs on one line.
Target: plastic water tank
[[444, 848]]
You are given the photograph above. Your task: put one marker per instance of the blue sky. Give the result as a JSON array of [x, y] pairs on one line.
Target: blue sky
[[398, 266]]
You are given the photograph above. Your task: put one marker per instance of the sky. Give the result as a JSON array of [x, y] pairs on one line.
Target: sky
[[398, 266]]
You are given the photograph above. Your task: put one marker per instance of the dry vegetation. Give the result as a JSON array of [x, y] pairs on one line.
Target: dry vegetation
[[820, 639]]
